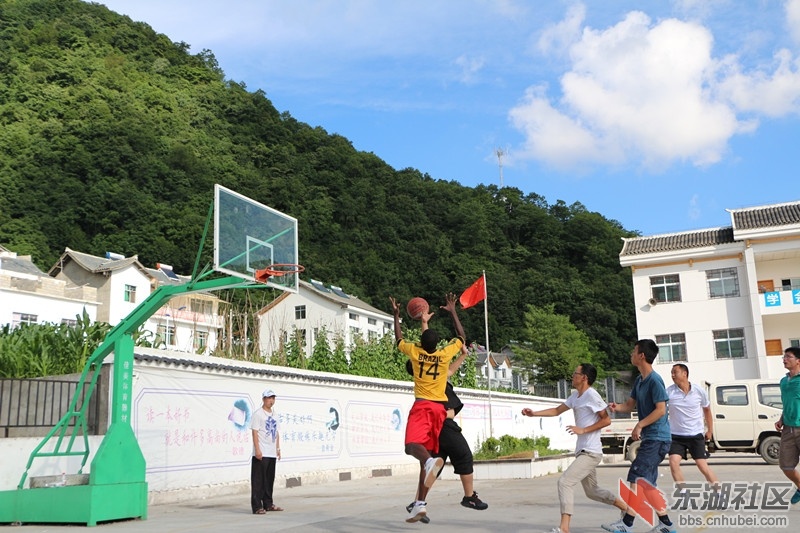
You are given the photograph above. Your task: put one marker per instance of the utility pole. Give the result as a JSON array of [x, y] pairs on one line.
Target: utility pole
[[500, 153]]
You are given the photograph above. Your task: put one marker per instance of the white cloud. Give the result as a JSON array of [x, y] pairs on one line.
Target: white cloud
[[694, 207], [773, 94], [558, 37], [554, 137], [649, 94], [793, 18], [469, 67]]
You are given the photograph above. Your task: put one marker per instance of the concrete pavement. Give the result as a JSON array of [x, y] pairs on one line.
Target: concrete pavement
[[370, 505]]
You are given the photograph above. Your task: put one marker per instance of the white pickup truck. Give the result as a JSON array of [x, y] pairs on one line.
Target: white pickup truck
[[744, 412]]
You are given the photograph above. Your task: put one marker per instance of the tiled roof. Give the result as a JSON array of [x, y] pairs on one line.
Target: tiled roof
[[768, 216], [351, 301], [95, 264], [23, 265], [677, 241]]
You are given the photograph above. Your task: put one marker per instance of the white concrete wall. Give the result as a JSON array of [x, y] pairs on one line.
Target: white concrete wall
[[190, 424], [46, 307], [697, 315], [320, 313], [118, 307]]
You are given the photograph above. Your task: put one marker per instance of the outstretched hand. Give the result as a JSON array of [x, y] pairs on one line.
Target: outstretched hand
[[450, 306], [395, 305], [426, 316]]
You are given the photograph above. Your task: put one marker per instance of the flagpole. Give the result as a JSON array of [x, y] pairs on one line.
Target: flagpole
[[488, 352]]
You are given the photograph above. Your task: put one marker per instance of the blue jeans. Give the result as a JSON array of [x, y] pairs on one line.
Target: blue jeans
[[651, 453]]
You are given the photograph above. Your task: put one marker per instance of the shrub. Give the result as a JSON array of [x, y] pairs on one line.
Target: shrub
[[508, 446]]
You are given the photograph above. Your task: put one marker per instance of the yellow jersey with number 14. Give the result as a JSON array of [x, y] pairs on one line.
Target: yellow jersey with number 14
[[430, 369]]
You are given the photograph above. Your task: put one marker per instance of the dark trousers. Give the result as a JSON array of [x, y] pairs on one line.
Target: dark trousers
[[262, 479]]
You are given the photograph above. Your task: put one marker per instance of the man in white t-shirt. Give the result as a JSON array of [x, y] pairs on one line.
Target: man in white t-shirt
[[590, 418], [266, 451], [688, 407]]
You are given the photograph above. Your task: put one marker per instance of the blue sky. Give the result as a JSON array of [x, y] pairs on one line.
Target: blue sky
[[658, 114]]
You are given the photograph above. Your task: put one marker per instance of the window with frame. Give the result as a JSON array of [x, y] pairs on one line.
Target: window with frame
[[18, 319], [201, 306], [372, 334], [71, 322], [299, 312], [790, 284], [167, 334], [729, 344], [372, 321], [130, 294], [732, 395], [770, 395], [355, 332], [723, 283], [794, 342], [200, 340], [671, 348], [666, 288], [353, 316]]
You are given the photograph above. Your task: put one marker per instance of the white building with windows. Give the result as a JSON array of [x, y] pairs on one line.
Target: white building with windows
[[495, 370], [30, 296], [724, 301], [187, 323], [316, 308]]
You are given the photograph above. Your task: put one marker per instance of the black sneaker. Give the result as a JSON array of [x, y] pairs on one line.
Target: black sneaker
[[473, 502], [424, 519]]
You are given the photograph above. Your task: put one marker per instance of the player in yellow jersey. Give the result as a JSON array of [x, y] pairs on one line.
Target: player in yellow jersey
[[427, 415]]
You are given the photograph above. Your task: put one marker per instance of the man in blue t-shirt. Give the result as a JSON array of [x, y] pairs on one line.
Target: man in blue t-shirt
[[649, 397]]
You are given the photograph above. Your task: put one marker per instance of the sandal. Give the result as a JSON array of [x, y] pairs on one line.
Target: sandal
[[260, 511], [274, 507]]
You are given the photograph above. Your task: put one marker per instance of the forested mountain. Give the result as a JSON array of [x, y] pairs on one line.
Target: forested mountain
[[112, 137]]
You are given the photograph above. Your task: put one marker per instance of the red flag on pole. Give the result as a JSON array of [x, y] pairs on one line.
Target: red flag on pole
[[474, 294]]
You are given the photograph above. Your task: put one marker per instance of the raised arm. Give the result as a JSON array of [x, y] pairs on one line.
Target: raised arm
[[451, 308], [398, 333], [454, 366]]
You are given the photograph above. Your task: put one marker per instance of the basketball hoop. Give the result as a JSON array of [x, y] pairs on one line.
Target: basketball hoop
[[277, 270]]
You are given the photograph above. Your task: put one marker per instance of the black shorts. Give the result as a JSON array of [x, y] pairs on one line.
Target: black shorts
[[452, 444], [695, 445]]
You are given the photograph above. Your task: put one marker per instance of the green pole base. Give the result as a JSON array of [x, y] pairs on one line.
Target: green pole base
[[79, 504]]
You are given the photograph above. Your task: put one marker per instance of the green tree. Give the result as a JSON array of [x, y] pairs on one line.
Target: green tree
[[552, 346], [295, 352]]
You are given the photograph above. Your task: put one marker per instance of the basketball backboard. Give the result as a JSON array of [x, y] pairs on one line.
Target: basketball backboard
[[249, 236]]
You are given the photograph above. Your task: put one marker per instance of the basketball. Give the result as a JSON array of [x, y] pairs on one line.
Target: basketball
[[416, 306]]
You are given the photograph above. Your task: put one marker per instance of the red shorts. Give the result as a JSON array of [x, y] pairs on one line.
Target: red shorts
[[424, 424]]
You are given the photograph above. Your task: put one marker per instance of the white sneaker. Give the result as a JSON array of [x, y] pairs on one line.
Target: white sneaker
[[617, 527], [432, 467], [662, 528], [418, 511], [555, 530]]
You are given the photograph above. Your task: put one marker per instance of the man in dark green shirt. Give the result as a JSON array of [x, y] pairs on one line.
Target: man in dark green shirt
[[789, 422]]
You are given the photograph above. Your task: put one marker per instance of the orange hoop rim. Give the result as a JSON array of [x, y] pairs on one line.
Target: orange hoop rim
[[264, 274]]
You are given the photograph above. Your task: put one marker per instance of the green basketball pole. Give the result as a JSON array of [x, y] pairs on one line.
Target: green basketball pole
[[115, 487]]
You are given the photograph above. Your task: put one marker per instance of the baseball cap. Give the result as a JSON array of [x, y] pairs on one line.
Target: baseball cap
[[267, 393]]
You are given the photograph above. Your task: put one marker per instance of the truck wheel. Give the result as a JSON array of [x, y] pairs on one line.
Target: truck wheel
[[633, 450], [770, 449]]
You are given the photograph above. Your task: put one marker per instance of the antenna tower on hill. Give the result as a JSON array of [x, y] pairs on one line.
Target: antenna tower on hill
[[500, 155]]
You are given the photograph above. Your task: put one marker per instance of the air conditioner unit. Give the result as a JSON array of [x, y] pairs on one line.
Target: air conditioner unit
[[652, 302]]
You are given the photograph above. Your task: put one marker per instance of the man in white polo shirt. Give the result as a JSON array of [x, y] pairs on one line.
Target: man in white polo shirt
[[688, 407]]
